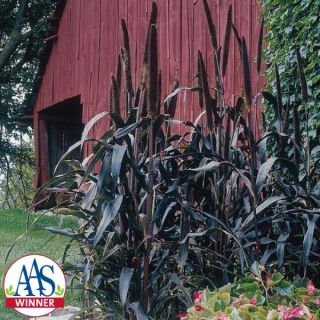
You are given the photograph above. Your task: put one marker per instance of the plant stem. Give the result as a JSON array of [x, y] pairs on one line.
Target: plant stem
[[253, 179], [149, 207]]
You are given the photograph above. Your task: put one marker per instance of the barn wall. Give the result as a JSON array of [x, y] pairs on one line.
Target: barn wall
[[89, 36]]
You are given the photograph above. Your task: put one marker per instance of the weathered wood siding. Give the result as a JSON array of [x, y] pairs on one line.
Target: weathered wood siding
[[89, 37]]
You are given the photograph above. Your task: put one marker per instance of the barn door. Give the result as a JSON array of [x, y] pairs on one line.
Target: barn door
[[60, 137], [59, 127]]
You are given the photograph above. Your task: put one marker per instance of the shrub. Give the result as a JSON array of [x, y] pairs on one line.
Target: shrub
[[16, 173], [257, 296]]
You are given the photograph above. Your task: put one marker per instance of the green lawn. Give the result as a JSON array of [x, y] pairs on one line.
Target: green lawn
[[12, 225]]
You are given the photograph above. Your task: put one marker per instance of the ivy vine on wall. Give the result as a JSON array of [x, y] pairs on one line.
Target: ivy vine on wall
[[290, 25]]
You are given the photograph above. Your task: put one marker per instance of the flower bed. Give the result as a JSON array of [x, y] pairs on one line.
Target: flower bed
[[258, 296]]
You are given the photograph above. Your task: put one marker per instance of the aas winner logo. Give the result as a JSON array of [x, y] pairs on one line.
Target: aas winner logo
[[34, 286]]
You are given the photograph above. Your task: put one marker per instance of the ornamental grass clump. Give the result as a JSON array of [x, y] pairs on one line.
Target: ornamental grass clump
[[162, 214]]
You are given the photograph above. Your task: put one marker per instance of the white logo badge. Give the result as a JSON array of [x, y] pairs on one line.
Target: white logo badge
[[34, 286]]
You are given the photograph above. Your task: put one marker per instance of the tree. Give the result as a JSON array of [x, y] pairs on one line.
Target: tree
[[16, 188], [23, 27]]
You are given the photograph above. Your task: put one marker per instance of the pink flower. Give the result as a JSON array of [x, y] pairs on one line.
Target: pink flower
[[311, 288], [268, 280], [253, 301], [318, 301], [198, 296], [198, 308], [288, 313], [268, 277], [183, 315], [222, 316]]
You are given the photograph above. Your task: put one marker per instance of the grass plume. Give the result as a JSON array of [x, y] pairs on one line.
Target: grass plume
[[126, 58], [297, 133], [302, 77], [246, 74], [119, 70], [115, 101], [198, 76], [279, 93], [211, 26], [260, 41], [153, 72], [226, 43], [206, 92], [145, 67]]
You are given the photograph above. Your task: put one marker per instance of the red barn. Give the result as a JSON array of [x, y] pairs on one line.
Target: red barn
[[75, 77]]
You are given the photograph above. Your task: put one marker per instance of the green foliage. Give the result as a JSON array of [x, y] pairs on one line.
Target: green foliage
[[290, 25], [24, 26], [17, 174], [163, 214], [257, 296]]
